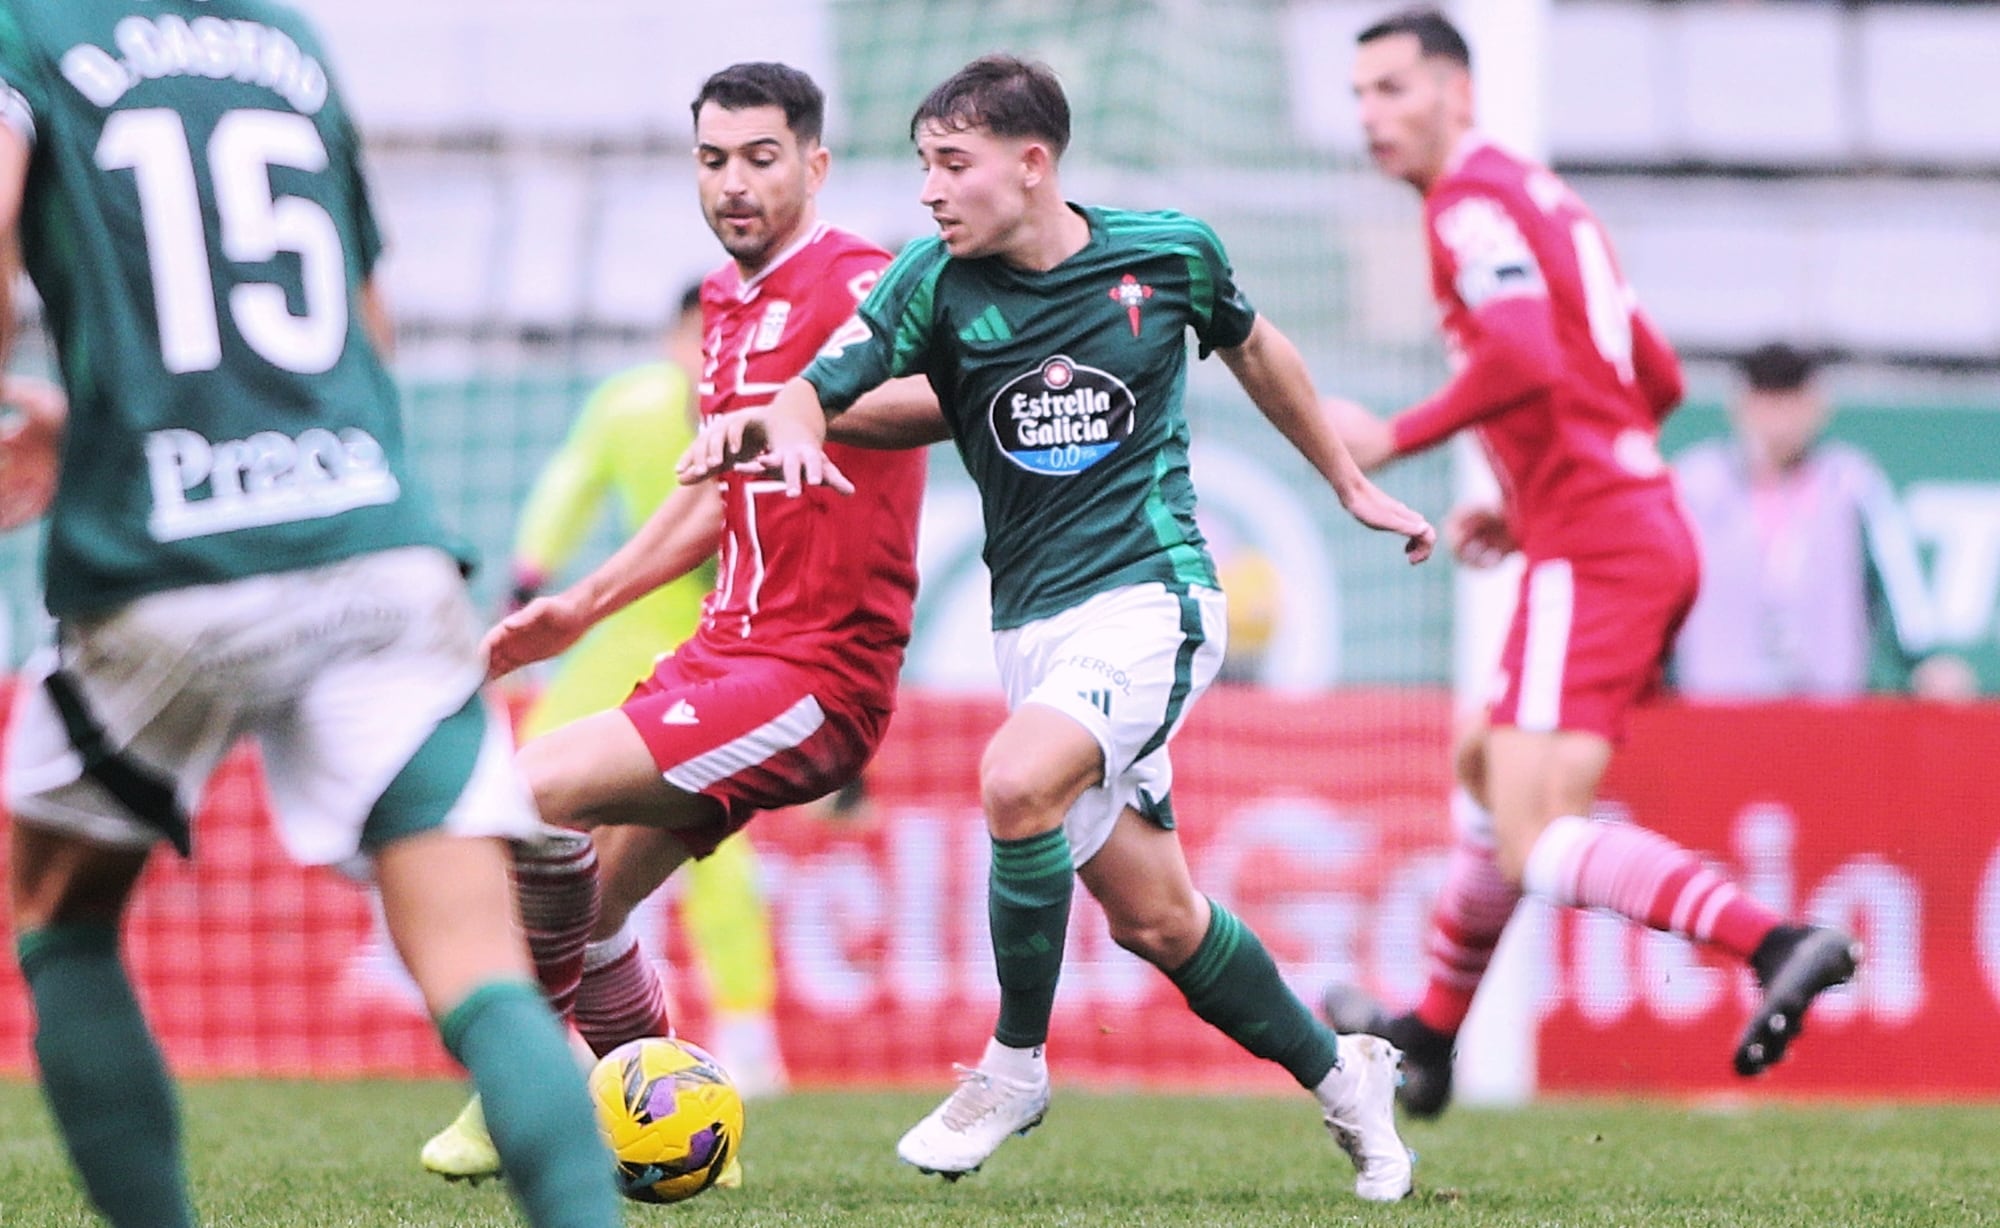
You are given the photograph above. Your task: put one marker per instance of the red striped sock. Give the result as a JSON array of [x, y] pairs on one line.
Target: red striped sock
[[1473, 906], [621, 998], [1648, 878], [556, 879]]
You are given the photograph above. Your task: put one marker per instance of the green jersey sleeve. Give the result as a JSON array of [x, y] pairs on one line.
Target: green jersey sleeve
[[1223, 316], [900, 314]]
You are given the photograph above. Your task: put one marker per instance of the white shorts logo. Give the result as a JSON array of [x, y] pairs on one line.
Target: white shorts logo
[[682, 713]]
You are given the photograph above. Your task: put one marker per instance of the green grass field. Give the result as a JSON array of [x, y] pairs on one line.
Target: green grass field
[[335, 1155]]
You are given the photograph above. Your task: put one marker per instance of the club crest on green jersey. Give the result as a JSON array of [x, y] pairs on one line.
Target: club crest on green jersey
[[1062, 417], [1131, 294]]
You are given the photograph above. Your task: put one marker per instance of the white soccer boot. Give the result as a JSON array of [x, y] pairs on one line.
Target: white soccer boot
[[1360, 1102], [973, 1121]]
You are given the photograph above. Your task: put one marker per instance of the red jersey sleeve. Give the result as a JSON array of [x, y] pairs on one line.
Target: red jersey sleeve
[[1502, 323], [1655, 366]]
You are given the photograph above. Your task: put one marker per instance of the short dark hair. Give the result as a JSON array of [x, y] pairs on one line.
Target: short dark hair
[[761, 83], [690, 298], [1777, 367], [1435, 35], [1004, 94]]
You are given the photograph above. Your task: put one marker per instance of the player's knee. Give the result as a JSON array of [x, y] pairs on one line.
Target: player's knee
[[551, 784], [1019, 801], [1468, 761]]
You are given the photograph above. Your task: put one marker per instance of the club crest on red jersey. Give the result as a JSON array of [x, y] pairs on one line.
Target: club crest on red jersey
[[1130, 293], [771, 329]]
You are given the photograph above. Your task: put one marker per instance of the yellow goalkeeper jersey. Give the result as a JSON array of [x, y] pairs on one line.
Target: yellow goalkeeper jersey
[[624, 443]]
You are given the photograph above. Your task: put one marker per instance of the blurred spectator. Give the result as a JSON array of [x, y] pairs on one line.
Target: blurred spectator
[[1811, 581]]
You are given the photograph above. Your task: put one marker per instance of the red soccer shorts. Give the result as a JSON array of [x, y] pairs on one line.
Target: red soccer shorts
[[754, 734], [1590, 637]]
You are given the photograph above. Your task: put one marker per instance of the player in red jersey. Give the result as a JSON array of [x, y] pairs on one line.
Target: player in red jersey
[[784, 692], [1565, 381]]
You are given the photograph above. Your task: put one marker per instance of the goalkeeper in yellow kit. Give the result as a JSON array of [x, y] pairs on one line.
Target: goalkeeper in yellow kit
[[624, 443]]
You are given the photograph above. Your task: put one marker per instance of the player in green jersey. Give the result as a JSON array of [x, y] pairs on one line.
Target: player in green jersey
[[236, 548], [1055, 336]]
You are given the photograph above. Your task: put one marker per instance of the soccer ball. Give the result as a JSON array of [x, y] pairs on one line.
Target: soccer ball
[[672, 1117]]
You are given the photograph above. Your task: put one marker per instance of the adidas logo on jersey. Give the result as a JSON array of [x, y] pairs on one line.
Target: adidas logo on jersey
[[989, 325], [682, 713], [1100, 700]]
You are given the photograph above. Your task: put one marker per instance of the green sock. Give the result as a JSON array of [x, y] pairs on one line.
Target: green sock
[[1231, 982], [536, 1110], [103, 1076], [1027, 906]]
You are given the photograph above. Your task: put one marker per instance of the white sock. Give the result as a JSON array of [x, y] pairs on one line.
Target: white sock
[[1547, 872], [1333, 1091], [604, 950], [1021, 1065]]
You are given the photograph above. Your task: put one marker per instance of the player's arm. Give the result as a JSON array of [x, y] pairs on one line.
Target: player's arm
[[14, 153], [1271, 371], [1513, 357], [681, 534], [31, 435], [903, 413], [376, 319], [1510, 350], [1655, 366], [563, 501]]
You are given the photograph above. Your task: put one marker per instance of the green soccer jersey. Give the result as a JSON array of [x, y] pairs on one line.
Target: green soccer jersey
[[1064, 394], [197, 225]]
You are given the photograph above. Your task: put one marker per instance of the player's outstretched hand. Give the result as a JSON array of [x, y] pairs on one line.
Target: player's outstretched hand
[[749, 440], [1376, 509], [30, 448], [724, 442], [537, 631], [1478, 535]]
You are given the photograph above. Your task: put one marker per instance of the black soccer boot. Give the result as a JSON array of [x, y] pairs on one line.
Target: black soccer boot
[[1426, 1086], [1794, 964]]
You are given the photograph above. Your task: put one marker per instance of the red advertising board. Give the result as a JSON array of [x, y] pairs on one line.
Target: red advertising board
[[1882, 817], [1319, 820]]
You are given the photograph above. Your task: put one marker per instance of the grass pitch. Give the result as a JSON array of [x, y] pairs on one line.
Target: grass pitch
[[343, 1155]]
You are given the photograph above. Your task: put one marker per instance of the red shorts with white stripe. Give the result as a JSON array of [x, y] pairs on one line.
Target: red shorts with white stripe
[[1590, 637], [760, 734]]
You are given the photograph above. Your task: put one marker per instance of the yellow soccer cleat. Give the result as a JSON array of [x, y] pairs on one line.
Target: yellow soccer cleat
[[731, 1177], [463, 1150]]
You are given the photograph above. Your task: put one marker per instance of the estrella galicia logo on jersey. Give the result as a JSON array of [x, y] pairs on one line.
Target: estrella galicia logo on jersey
[[1062, 417]]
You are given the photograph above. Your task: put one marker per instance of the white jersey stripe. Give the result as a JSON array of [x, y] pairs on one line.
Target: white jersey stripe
[[786, 731], [1551, 603]]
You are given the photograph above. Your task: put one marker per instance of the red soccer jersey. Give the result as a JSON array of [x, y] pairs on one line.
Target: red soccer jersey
[[1562, 376], [823, 580]]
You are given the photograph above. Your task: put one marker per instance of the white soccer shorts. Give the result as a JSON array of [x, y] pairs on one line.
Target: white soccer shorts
[[1126, 665], [340, 672]]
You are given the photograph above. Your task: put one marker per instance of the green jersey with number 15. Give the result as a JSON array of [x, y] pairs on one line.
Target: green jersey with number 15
[[198, 228], [1064, 390]]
